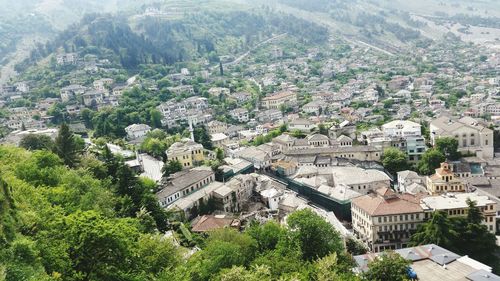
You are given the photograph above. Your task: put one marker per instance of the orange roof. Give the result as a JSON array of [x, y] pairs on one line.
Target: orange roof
[[209, 223], [376, 205]]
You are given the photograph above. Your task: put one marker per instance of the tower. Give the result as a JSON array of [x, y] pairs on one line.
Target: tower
[[191, 130]]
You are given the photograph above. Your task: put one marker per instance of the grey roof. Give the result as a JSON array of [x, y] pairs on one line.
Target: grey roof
[[445, 258], [183, 179], [483, 275], [410, 254], [320, 150]]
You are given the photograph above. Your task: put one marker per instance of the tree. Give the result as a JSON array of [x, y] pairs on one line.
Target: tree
[[201, 136], [331, 268], [155, 118], [394, 160], [355, 247], [316, 237], [239, 273], [171, 167], [431, 159], [266, 235], [66, 146], [323, 129], [389, 266], [219, 154], [448, 146], [37, 142], [85, 246], [438, 230]]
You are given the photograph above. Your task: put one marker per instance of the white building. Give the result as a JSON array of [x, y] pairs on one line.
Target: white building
[[471, 135], [136, 131]]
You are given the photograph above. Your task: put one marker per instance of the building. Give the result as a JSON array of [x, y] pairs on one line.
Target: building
[[93, 98], [277, 100], [472, 136], [455, 204], [136, 131], [385, 220], [434, 263], [259, 158], [187, 152], [183, 183], [218, 91], [240, 115], [444, 181], [209, 223], [69, 92], [215, 127], [302, 125], [411, 182], [230, 197], [219, 139]]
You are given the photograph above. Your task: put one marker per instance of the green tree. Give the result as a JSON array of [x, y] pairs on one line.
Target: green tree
[[37, 142], [323, 129], [431, 159], [389, 266], [87, 246], [266, 235], [201, 136], [171, 167], [155, 118], [66, 146], [331, 268], [239, 273], [438, 230], [394, 160], [448, 146], [316, 237]]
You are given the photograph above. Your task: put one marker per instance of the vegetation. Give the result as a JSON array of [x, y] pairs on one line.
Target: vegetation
[[431, 160], [463, 235], [389, 266], [394, 160]]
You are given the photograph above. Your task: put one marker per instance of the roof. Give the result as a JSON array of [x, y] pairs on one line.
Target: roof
[[454, 201], [210, 223], [434, 263], [327, 150], [279, 95], [317, 137], [449, 125], [183, 179], [376, 205]]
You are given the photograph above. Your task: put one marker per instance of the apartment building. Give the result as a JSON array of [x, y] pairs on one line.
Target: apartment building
[[385, 220]]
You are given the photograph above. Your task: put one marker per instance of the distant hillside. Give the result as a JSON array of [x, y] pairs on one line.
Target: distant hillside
[[159, 40]]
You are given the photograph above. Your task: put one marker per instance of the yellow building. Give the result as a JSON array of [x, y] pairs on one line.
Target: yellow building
[[444, 181], [187, 152]]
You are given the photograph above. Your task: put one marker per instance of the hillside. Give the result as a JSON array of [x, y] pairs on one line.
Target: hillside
[[135, 41]]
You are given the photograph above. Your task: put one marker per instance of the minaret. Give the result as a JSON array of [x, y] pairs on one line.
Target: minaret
[[191, 130]]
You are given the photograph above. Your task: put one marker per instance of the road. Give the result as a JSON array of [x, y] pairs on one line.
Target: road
[[243, 56]]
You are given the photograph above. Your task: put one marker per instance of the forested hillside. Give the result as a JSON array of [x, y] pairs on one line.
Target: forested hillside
[[99, 221], [156, 40]]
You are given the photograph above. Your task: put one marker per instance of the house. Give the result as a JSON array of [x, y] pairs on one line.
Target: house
[[302, 125], [260, 159], [407, 178], [182, 184], [209, 223], [230, 197], [103, 84], [471, 135], [318, 140], [187, 152], [241, 97], [93, 98], [215, 127], [219, 139], [277, 100], [240, 114], [69, 92], [136, 131], [218, 91], [344, 128], [314, 107], [270, 115]]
